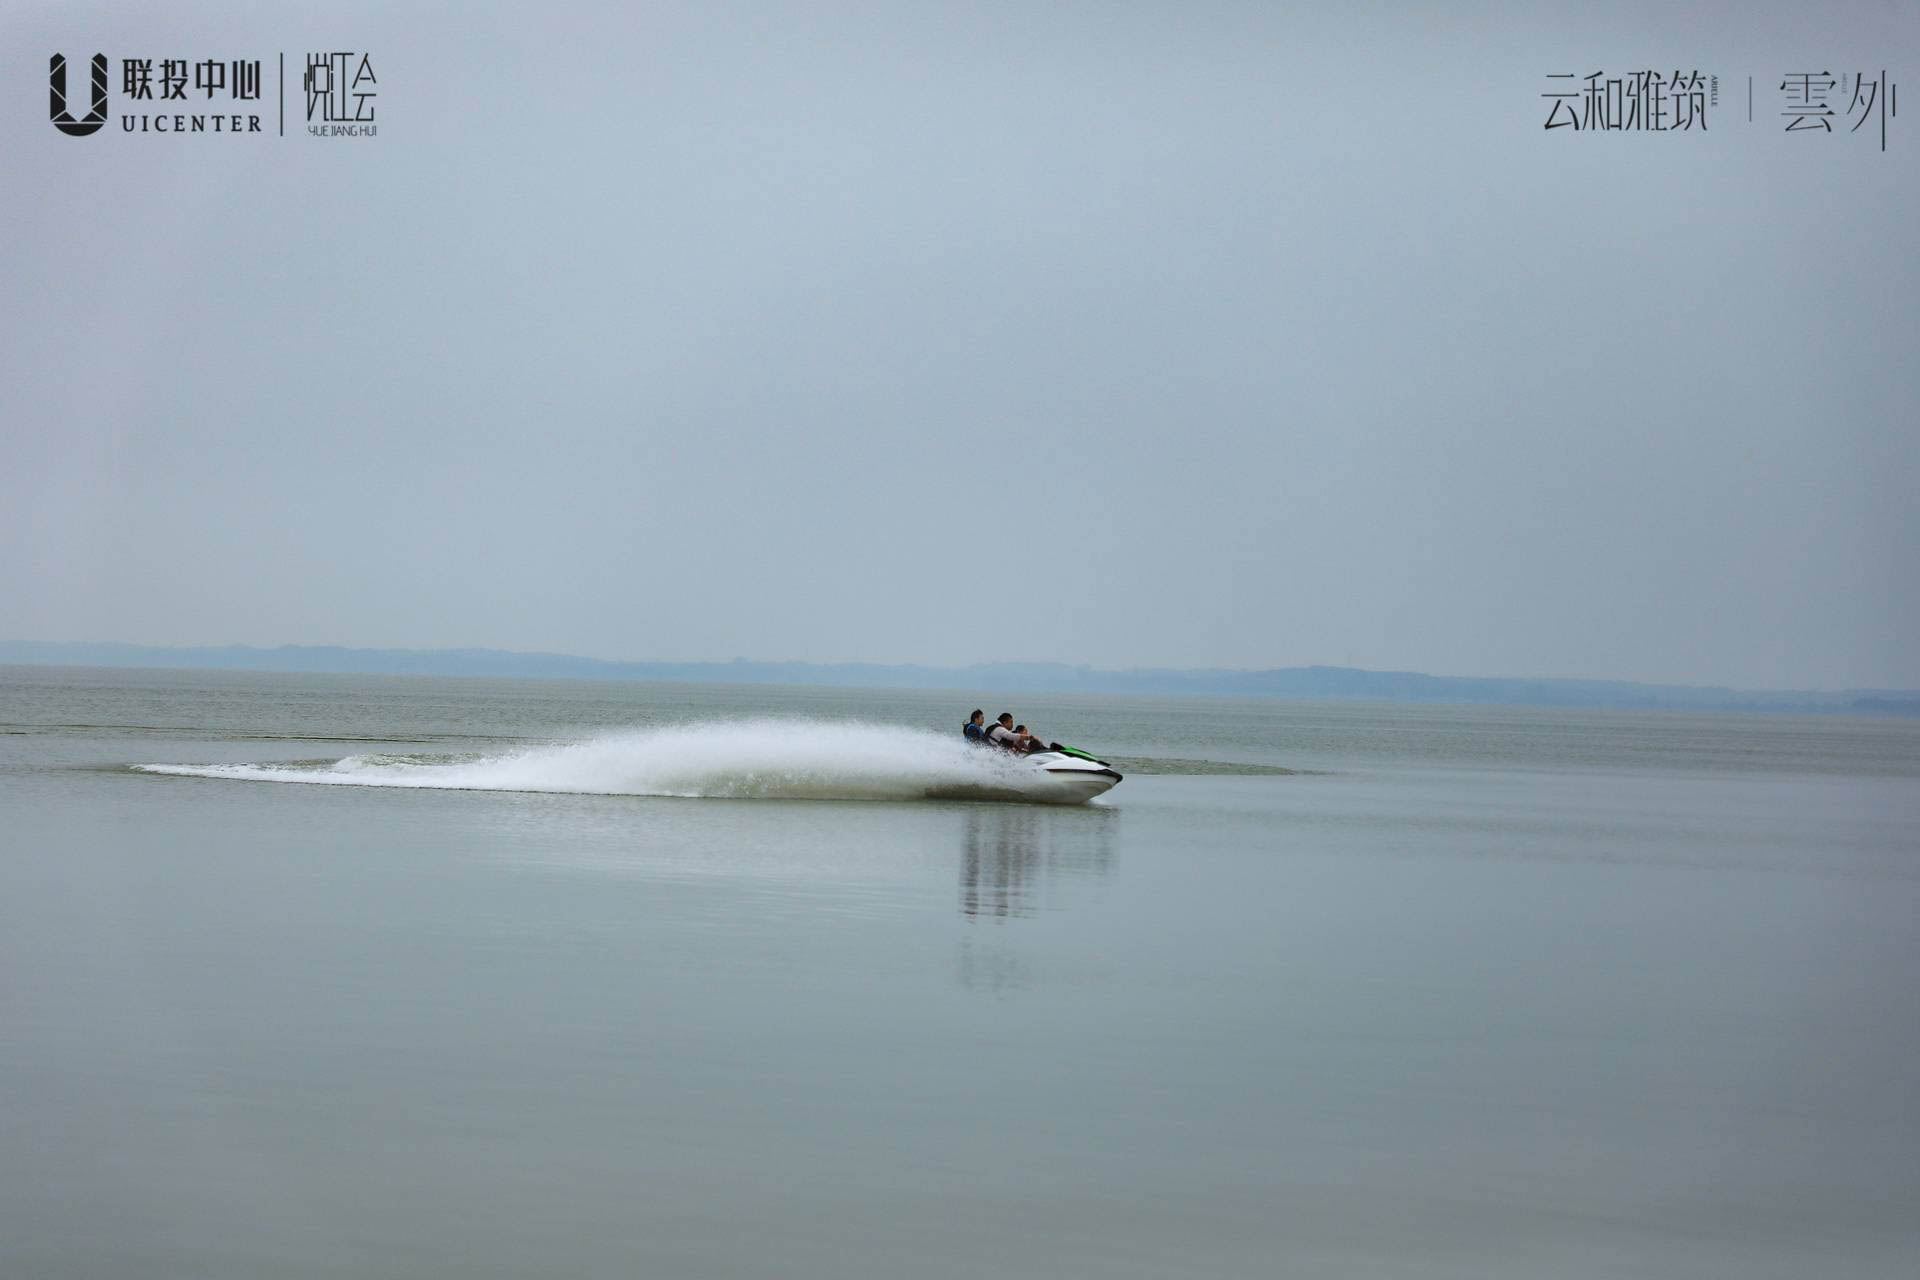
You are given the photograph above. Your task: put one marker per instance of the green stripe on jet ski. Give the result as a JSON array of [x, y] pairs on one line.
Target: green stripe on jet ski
[[1077, 753]]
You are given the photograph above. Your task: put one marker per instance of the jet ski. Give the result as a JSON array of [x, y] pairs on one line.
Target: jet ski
[[1072, 775]]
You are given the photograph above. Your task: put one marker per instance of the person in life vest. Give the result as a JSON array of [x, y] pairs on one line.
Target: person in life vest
[[975, 729], [1002, 734]]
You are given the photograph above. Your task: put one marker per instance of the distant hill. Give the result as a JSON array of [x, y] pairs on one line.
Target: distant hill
[[1010, 677]]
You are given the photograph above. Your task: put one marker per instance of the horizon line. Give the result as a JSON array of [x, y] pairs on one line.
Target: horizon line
[[1031, 665]]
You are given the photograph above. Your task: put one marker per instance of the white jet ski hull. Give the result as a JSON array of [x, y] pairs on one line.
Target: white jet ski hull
[[1071, 779]]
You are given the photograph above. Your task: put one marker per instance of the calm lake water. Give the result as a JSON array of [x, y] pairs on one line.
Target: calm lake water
[[555, 978]]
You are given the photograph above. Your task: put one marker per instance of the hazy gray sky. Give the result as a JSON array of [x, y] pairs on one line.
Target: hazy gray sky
[[1177, 333]]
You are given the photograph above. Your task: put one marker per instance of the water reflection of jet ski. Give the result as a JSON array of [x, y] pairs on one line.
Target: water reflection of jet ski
[[1073, 774]]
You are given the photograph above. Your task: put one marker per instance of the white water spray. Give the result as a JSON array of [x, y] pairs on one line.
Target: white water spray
[[779, 759]]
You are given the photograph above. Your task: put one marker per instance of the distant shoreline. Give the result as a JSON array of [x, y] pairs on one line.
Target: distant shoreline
[[1010, 677]]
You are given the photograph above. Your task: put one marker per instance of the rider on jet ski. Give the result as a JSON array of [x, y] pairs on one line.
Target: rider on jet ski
[[1008, 736]]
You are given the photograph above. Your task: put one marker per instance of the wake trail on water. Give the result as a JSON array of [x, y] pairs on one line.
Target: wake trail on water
[[766, 759]]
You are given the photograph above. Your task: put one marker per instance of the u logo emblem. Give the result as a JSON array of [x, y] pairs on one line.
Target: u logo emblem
[[57, 86]]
